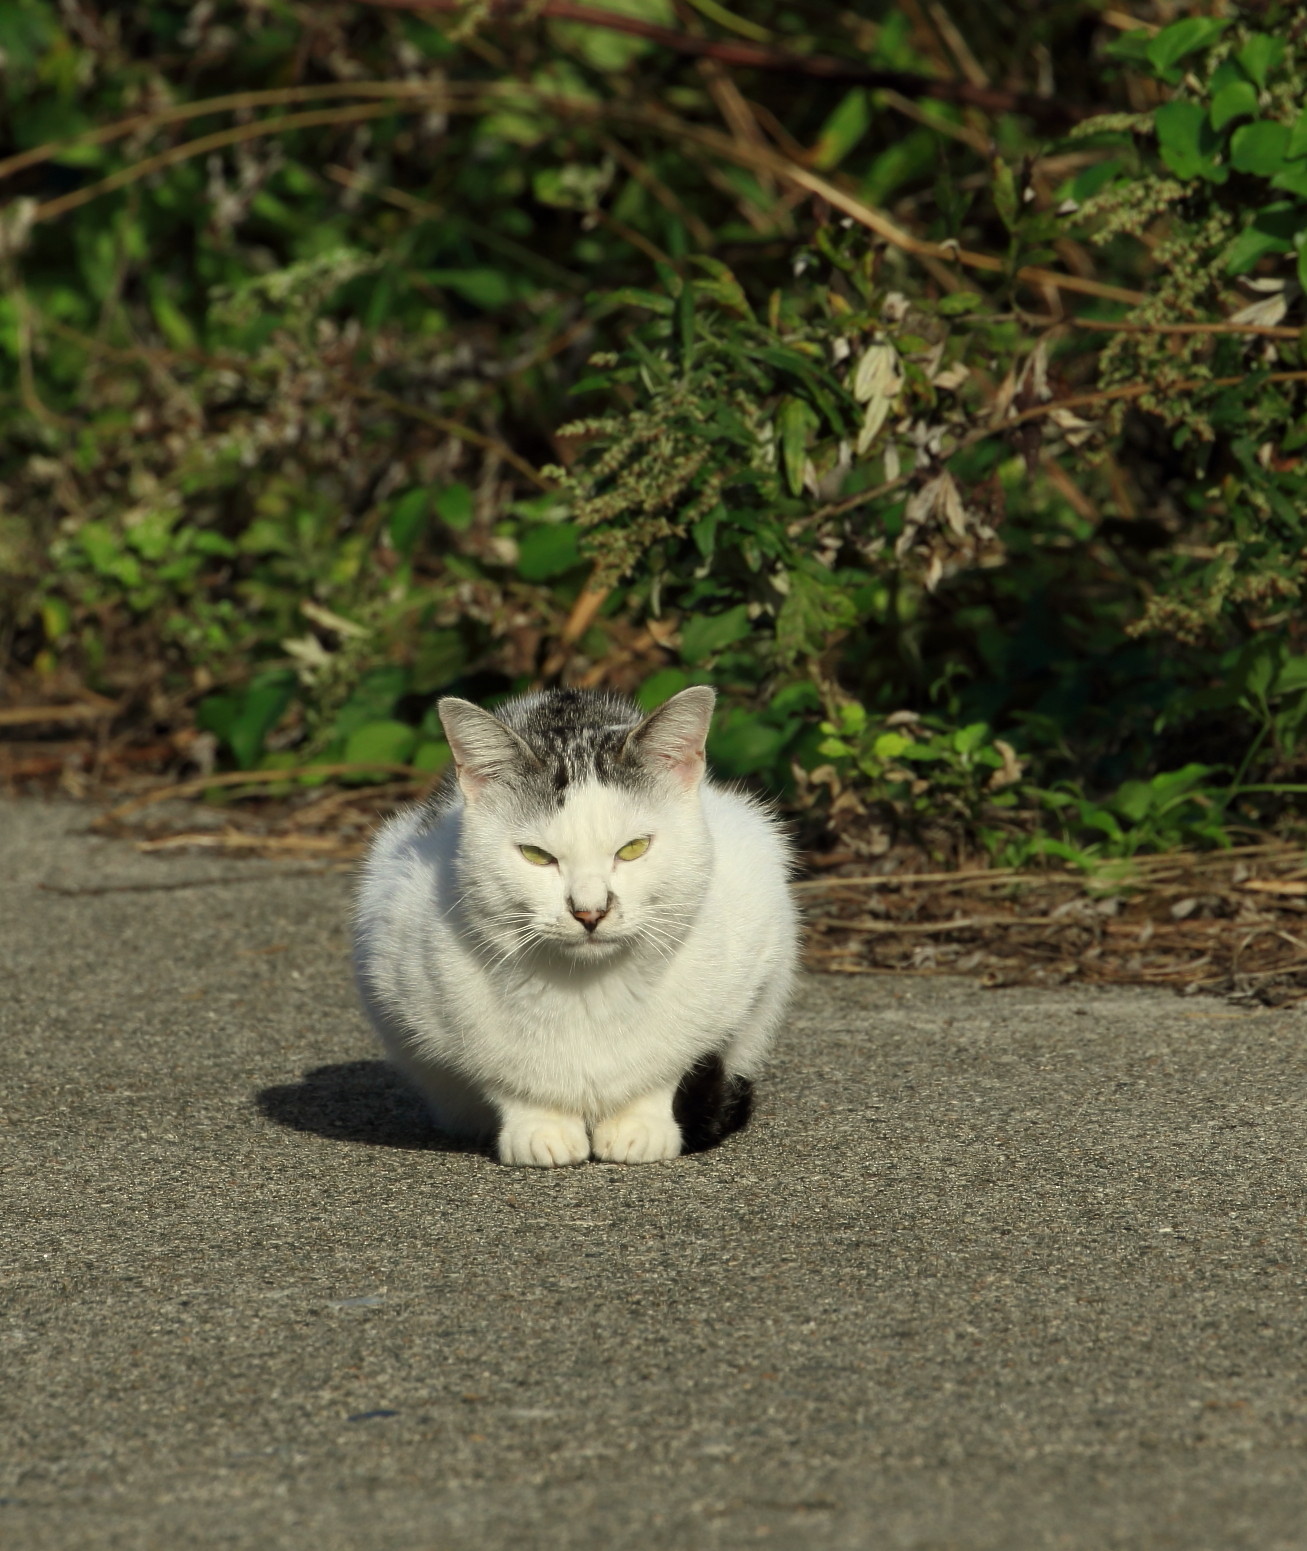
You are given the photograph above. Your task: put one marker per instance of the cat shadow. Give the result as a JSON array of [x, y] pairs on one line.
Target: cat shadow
[[358, 1101]]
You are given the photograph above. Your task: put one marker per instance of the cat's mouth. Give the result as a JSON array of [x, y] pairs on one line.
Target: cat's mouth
[[594, 942]]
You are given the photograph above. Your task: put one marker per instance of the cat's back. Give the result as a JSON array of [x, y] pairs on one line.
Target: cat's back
[[752, 862]]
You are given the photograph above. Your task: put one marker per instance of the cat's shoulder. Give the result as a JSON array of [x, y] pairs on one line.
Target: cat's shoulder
[[744, 819]]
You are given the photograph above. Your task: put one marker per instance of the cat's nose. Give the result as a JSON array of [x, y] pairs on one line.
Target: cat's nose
[[589, 918]]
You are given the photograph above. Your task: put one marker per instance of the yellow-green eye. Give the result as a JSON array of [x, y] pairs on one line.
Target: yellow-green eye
[[634, 848], [536, 856]]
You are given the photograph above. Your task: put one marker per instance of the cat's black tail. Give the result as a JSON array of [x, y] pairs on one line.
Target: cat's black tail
[[709, 1104]]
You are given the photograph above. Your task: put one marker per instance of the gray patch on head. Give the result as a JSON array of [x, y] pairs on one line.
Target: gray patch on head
[[577, 735]]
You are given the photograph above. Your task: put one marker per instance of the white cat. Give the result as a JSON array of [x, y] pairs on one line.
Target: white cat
[[581, 945]]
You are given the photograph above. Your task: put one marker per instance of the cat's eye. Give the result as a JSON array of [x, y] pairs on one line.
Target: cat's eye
[[537, 857], [633, 849]]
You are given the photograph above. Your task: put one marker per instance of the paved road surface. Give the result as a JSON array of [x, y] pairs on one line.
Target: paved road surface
[[1009, 1269]]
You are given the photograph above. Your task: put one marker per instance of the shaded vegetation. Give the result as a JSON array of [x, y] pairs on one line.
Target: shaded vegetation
[[953, 427]]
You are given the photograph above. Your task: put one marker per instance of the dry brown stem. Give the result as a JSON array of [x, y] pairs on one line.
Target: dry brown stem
[[752, 56], [199, 784]]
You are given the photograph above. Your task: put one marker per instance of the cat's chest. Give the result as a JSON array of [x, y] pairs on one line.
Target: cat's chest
[[602, 1018], [615, 1003]]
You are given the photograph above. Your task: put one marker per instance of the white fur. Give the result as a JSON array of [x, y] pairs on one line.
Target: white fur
[[516, 1023]]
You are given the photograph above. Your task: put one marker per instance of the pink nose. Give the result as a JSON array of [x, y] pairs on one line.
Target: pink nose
[[589, 918]]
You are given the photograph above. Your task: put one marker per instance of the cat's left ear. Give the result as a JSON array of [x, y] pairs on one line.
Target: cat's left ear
[[671, 739], [484, 749]]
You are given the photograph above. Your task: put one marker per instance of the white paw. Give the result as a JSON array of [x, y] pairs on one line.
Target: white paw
[[546, 1143], [637, 1138]]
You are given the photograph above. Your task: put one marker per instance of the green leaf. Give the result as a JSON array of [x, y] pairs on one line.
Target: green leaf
[[842, 130], [704, 532], [890, 745], [1226, 72], [244, 719], [209, 543], [958, 303], [1090, 180], [107, 551], [1260, 55], [408, 517], [573, 187], [1187, 141], [720, 285], [439, 659], [1273, 230], [1182, 38], [381, 743], [26, 31], [56, 619], [1259, 148], [743, 742], [430, 755], [374, 698], [661, 686], [173, 323], [706, 634], [633, 296], [1005, 194], [455, 508], [795, 422], [1293, 180], [1297, 145], [685, 323], [1130, 47], [968, 739], [609, 51], [815, 609], [1238, 100], [485, 288], [1292, 676], [548, 551]]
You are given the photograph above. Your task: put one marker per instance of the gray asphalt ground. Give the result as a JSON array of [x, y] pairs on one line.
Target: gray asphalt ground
[[991, 1269]]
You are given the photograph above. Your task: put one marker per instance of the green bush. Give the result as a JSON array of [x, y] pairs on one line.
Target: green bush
[[380, 356]]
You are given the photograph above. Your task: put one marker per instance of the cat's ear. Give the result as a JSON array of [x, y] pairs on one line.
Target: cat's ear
[[671, 740], [484, 749]]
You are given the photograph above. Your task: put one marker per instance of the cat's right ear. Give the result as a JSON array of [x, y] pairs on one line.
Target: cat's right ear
[[484, 750], [671, 739]]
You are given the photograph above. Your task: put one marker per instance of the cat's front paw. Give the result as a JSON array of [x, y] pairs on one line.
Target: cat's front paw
[[637, 1136], [544, 1141]]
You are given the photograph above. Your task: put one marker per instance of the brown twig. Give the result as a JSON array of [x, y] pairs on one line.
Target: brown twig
[[452, 427], [752, 56], [1262, 330], [253, 778], [426, 210], [909, 880], [53, 208], [35, 715], [701, 232], [588, 603], [763, 157], [232, 102], [755, 156], [936, 928]]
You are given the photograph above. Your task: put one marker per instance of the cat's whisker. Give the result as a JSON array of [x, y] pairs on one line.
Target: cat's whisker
[[459, 899], [672, 935], [521, 940]]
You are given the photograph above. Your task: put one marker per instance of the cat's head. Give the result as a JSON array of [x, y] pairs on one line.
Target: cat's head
[[582, 827]]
